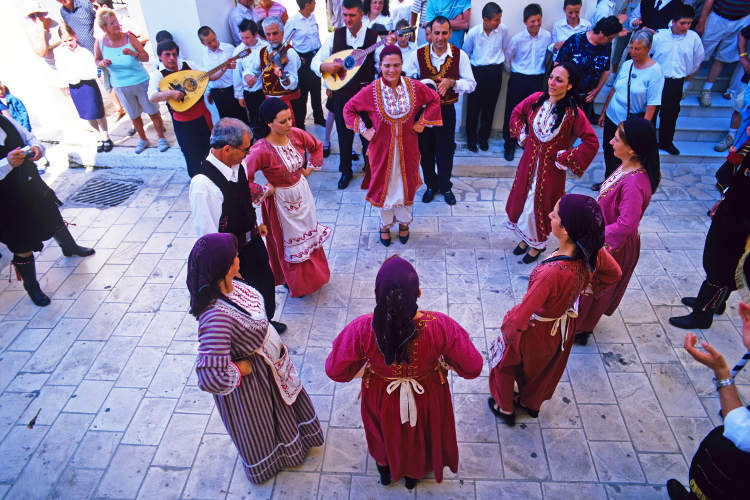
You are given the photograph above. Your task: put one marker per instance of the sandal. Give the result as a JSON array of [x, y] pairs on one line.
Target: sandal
[[519, 250], [385, 241], [401, 229], [508, 419]]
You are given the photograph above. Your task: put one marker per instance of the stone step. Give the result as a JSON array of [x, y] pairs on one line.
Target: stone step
[[701, 129], [720, 107]]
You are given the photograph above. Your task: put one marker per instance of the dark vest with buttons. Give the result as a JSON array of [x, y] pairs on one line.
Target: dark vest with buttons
[[449, 69], [366, 73], [237, 211], [657, 19]]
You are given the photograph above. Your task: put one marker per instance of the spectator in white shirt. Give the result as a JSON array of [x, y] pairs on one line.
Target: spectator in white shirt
[[419, 10], [376, 12], [571, 24], [401, 10], [248, 97], [485, 45], [525, 56], [221, 86], [679, 52], [303, 28], [243, 10], [405, 42]]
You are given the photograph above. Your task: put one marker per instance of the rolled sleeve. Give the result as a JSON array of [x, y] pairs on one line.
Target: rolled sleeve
[[466, 82], [292, 70], [322, 54], [737, 428]]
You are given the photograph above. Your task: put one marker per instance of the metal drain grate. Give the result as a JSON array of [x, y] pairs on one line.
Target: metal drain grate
[[105, 192]]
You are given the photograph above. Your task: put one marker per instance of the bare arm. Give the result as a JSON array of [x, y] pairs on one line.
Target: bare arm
[[595, 92], [700, 27], [461, 22], [140, 52]]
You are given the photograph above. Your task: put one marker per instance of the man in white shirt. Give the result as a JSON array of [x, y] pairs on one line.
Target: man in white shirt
[[571, 24], [525, 61], [450, 68], [243, 10], [248, 97], [221, 86], [679, 52], [485, 45], [221, 201], [303, 28]]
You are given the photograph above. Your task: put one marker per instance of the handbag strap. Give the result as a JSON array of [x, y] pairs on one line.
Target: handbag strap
[[630, 74]]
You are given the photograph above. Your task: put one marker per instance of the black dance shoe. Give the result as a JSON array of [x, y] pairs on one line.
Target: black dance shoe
[[596, 187], [472, 147], [484, 145], [449, 198], [385, 241], [519, 250], [401, 229], [509, 154], [669, 148], [582, 338], [696, 319], [279, 326], [385, 474], [344, 180], [528, 258], [691, 301], [428, 196], [509, 420], [676, 490], [410, 483]]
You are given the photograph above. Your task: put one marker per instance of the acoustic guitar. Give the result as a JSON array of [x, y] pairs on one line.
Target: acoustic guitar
[[192, 83], [352, 60]]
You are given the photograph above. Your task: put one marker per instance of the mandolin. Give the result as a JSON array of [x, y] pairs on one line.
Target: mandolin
[[352, 60], [192, 83]]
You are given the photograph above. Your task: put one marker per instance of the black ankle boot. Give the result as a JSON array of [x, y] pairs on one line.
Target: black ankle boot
[[385, 474], [710, 297], [410, 483], [696, 319], [691, 301], [26, 269], [69, 246], [582, 338]]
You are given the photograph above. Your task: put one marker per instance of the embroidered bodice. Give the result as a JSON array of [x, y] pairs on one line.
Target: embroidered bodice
[[544, 120], [289, 155], [396, 102]]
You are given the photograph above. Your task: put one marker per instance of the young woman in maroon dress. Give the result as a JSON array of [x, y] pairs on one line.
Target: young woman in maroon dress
[[537, 334], [623, 197], [402, 354], [295, 238], [547, 124], [393, 104]]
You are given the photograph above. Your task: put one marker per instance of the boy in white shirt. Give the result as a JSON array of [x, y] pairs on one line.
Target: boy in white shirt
[[485, 45], [571, 24], [221, 87], [679, 52], [525, 56]]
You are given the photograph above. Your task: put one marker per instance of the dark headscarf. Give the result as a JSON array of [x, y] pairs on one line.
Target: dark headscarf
[[267, 113], [640, 135], [582, 218], [209, 261], [396, 293]]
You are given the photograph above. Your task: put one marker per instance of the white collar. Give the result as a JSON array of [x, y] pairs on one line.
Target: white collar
[[180, 61], [217, 51], [225, 170], [447, 52]]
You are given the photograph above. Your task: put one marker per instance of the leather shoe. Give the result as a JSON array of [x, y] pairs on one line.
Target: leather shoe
[[450, 198], [320, 121], [696, 319], [691, 301], [279, 326], [484, 145], [676, 490], [472, 147], [428, 196], [344, 181], [355, 156], [671, 149], [326, 151], [509, 154]]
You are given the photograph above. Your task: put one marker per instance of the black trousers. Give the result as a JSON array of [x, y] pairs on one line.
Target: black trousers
[[256, 271], [437, 145], [345, 135], [226, 103], [610, 161], [194, 138], [253, 100], [309, 83], [520, 87], [670, 109], [480, 107]]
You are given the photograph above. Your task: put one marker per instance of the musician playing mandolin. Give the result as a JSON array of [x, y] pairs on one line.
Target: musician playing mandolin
[[276, 65], [191, 127], [351, 36]]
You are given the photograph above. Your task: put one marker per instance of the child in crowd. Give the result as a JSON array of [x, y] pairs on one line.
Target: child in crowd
[[679, 51], [405, 41], [12, 107], [570, 25], [485, 45], [525, 56]]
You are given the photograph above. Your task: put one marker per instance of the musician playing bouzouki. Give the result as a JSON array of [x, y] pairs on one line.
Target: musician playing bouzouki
[[352, 36], [276, 65], [191, 127]]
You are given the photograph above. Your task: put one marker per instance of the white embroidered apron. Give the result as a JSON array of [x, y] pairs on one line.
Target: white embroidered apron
[[302, 233], [276, 355]]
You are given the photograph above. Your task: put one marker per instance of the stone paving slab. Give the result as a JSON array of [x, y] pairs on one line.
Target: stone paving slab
[[109, 365]]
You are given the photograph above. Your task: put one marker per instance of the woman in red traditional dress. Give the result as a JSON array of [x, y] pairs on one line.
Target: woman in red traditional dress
[[547, 124], [623, 197], [402, 354], [537, 334], [295, 238], [393, 104]]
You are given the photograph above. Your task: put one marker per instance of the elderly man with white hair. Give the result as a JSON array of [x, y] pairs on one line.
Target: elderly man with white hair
[[279, 76]]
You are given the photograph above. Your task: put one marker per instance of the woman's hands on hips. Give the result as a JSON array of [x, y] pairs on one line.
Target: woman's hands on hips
[[246, 368]]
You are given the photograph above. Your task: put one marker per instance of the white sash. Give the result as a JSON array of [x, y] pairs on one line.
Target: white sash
[[408, 404], [561, 323]]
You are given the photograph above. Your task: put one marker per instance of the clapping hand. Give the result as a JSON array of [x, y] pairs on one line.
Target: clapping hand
[[711, 358]]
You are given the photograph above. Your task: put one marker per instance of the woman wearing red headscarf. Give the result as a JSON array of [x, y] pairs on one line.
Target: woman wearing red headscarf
[[393, 104], [402, 353], [537, 334]]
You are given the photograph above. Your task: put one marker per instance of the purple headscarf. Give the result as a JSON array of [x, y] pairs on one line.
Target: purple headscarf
[[209, 261], [396, 293], [390, 50], [582, 218]]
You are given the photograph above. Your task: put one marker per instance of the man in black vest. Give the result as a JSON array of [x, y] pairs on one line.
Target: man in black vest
[[28, 207], [655, 14], [352, 36], [221, 201]]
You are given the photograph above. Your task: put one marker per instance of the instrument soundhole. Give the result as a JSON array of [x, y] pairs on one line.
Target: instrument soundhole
[[190, 85], [349, 62]]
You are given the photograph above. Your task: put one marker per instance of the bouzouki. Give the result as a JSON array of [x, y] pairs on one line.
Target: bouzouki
[[352, 60], [192, 83]]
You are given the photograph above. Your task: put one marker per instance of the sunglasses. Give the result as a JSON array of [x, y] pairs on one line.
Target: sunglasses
[[35, 15]]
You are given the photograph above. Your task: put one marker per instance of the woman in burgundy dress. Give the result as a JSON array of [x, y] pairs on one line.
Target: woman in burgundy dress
[[402, 354], [624, 197], [537, 334], [286, 156], [546, 124]]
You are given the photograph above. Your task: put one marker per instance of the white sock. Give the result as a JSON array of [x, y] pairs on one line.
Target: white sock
[[708, 86], [733, 132]]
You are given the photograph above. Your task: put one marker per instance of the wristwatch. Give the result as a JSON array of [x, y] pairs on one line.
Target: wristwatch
[[723, 382]]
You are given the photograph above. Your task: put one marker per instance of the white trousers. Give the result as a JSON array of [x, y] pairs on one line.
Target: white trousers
[[389, 216]]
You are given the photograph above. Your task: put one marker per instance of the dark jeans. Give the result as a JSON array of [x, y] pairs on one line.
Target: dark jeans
[[610, 161], [481, 103], [226, 104], [437, 144], [520, 87], [194, 138], [345, 135], [256, 271], [670, 109], [309, 83]]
